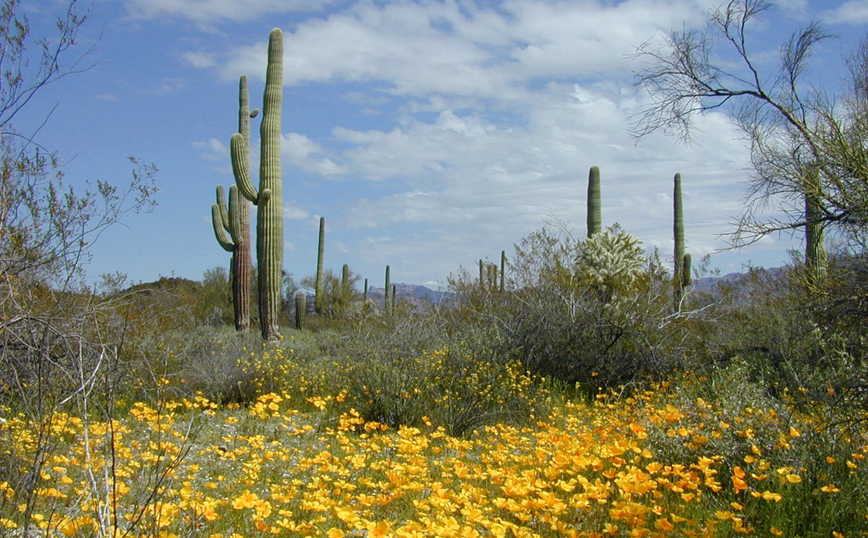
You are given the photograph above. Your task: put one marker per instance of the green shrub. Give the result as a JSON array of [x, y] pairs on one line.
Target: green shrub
[[592, 312], [763, 448]]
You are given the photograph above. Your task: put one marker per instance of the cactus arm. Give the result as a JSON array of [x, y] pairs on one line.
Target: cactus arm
[[241, 168], [235, 225], [219, 231], [221, 203], [686, 277]]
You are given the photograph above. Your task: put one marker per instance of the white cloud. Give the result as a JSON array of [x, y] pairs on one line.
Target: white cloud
[[294, 213], [476, 188], [207, 12], [308, 155], [503, 110], [456, 49], [199, 59], [853, 12], [213, 150]]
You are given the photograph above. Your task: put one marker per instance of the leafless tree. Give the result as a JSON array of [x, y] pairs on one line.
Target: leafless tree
[[59, 344], [808, 152]]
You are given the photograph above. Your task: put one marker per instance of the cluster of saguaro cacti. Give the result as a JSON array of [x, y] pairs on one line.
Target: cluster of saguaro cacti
[[595, 219], [681, 274], [488, 275], [232, 222], [269, 197]]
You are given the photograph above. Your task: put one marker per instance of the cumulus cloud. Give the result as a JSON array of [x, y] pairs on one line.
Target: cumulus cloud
[[207, 12], [199, 59], [502, 109], [854, 12], [308, 155]]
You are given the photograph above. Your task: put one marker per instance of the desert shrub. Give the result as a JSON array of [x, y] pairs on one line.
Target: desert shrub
[[782, 468], [593, 312], [453, 387], [229, 366], [416, 367], [792, 337], [210, 361]]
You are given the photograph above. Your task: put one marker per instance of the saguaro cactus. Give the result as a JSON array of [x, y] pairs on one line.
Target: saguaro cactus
[[236, 221], [502, 270], [269, 197], [345, 280], [387, 304], [319, 294], [595, 219], [678, 277], [300, 310], [232, 230]]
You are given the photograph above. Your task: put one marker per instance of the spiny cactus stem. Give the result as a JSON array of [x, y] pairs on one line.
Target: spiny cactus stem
[[219, 231], [595, 219]]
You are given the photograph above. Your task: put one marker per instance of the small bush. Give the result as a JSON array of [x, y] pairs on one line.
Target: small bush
[[783, 469]]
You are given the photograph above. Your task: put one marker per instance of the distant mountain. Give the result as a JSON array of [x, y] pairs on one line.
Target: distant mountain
[[714, 286], [166, 285], [416, 294]]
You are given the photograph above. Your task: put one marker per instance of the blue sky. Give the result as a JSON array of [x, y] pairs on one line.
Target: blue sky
[[429, 134]]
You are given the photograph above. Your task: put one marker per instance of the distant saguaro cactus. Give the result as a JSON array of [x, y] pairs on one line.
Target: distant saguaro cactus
[[269, 197], [319, 297], [300, 310], [595, 219], [345, 279], [680, 276], [387, 304], [502, 270]]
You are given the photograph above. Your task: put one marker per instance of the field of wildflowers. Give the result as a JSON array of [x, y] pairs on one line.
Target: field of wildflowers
[[669, 459]]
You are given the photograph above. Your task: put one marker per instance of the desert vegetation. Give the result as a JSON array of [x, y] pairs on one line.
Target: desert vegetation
[[583, 387]]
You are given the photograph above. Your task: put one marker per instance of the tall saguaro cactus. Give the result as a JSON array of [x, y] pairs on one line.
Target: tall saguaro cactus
[[319, 294], [595, 219], [269, 197], [679, 277], [236, 221]]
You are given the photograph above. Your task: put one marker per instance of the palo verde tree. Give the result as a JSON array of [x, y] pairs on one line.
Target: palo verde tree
[[807, 150], [60, 347]]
